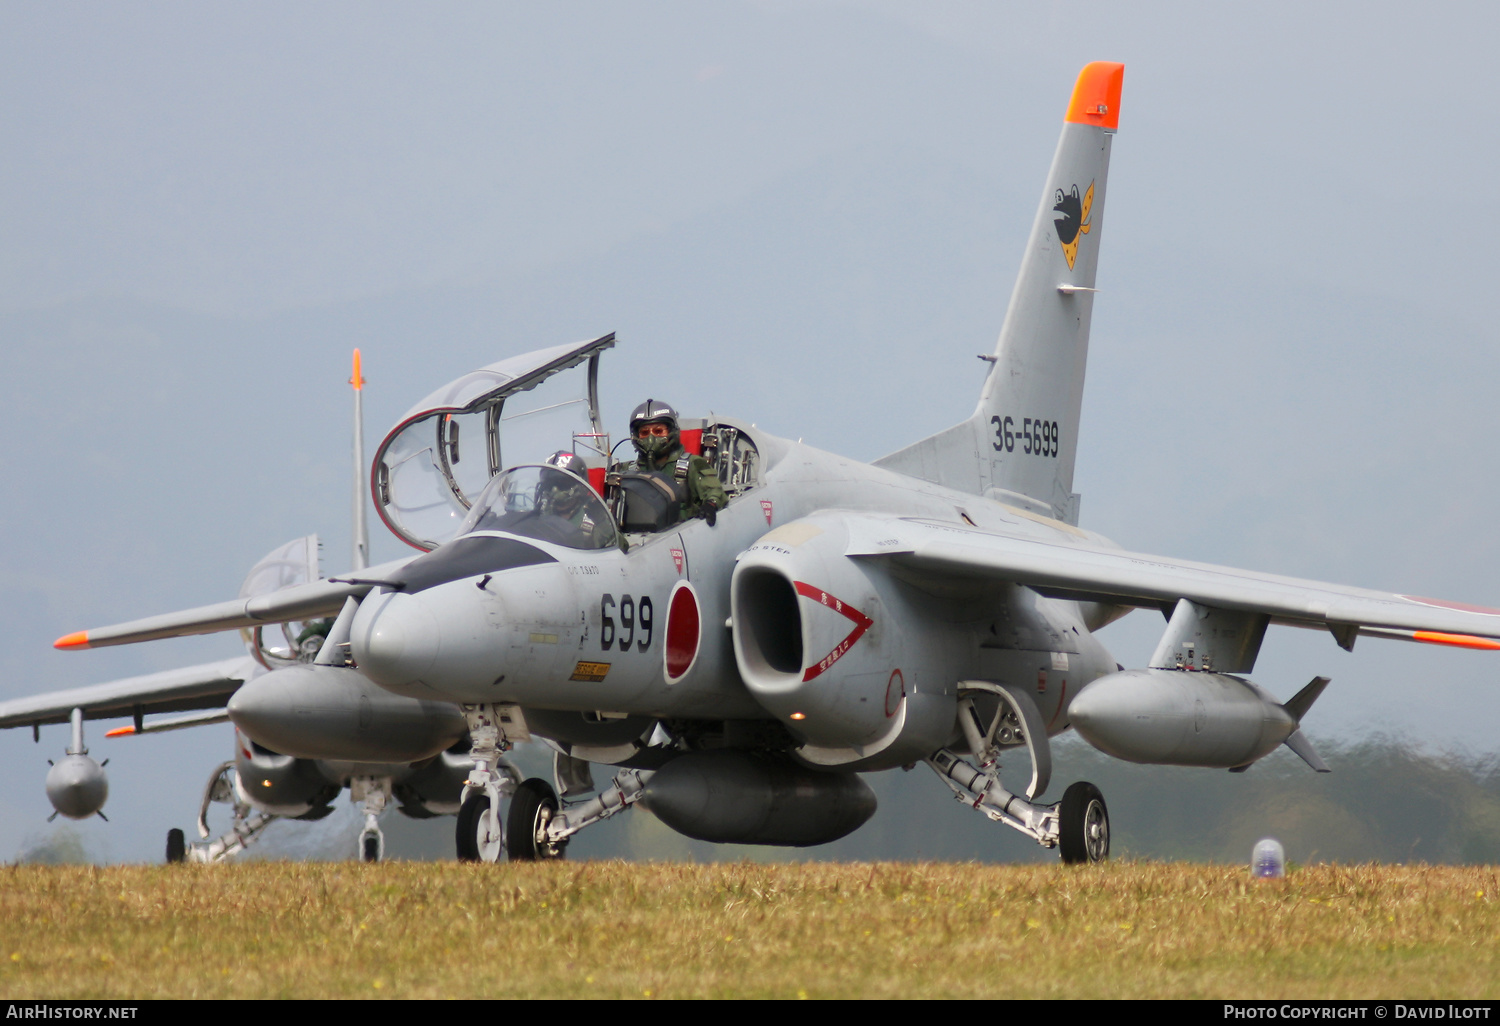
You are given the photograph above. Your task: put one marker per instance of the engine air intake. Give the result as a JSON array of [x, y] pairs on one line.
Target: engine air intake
[[769, 621]]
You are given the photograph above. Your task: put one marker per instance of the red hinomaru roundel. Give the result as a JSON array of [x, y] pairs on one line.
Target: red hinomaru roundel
[[684, 631]]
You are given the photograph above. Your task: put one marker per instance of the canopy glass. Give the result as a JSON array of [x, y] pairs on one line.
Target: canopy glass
[[433, 465]]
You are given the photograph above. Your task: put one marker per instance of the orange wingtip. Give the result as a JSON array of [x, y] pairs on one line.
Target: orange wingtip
[[1459, 640], [1096, 95], [120, 732], [78, 639], [358, 380]]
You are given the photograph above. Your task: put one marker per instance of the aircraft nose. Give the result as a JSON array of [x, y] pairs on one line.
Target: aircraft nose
[[394, 639]]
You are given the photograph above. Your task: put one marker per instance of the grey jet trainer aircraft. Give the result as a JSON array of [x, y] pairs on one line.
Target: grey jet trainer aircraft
[[738, 674]]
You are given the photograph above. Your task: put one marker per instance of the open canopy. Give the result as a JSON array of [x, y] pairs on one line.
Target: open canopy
[[434, 463]]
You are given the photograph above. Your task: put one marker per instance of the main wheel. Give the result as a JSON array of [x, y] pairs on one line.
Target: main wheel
[[1083, 824], [531, 809], [176, 846], [476, 843]]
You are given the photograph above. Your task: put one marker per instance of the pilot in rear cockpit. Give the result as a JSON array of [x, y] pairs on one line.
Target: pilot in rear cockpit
[[692, 479]]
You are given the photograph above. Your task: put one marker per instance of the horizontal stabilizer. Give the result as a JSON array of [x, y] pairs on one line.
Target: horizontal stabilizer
[[301, 602], [206, 686], [1299, 743]]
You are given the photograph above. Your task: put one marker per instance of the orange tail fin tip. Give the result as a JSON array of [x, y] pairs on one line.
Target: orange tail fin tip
[[1096, 95]]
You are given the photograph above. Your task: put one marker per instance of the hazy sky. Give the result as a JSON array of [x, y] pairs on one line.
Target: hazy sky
[[805, 214]]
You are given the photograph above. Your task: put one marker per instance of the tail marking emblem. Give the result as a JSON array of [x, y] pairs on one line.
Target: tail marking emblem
[[1074, 221]]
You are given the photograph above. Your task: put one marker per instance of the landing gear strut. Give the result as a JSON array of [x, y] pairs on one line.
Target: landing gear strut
[[1079, 824], [248, 824], [372, 793]]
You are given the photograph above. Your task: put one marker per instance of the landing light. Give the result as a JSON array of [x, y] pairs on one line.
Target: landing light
[[265, 783], [799, 716]]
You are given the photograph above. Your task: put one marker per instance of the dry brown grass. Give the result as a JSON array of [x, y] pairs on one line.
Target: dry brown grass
[[610, 929]]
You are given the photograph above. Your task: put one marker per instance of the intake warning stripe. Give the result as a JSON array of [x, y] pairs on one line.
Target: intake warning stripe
[[1458, 640], [861, 624]]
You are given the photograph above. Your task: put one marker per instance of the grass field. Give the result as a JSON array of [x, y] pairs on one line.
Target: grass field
[[612, 929]]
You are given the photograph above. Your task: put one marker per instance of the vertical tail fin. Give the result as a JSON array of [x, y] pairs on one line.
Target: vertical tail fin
[[1021, 443]]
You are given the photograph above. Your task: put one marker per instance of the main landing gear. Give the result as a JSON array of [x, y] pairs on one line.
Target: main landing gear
[[246, 828], [532, 809], [533, 805], [372, 793], [537, 824], [995, 716], [1083, 824]]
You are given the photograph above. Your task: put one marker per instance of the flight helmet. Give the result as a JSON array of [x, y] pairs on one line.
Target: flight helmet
[[569, 461], [654, 446], [565, 492]]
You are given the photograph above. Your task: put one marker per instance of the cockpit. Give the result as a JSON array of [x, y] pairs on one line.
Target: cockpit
[[545, 503], [467, 458]]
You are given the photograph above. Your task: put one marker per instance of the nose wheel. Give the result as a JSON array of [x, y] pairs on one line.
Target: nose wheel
[[1083, 825], [479, 835]]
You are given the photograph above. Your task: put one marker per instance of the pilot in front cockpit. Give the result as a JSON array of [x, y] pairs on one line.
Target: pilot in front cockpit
[[692, 479], [566, 496]]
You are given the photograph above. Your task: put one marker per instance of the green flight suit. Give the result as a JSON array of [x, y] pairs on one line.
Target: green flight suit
[[700, 479]]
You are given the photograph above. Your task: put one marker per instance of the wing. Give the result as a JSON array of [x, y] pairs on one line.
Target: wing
[[299, 602], [206, 686], [1082, 568]]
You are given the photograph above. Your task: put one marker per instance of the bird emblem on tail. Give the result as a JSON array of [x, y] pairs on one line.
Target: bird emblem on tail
[[1074, 220]]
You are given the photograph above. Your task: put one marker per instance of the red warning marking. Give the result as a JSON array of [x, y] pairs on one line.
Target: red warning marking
[[684, 631], [677, 559], [897, 686], [1462, 607], [765, 507], [861, 624], [1062, 703]]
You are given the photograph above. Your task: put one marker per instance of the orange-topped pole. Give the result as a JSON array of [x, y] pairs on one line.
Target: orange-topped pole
[[1096, 95], [360, 526]]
